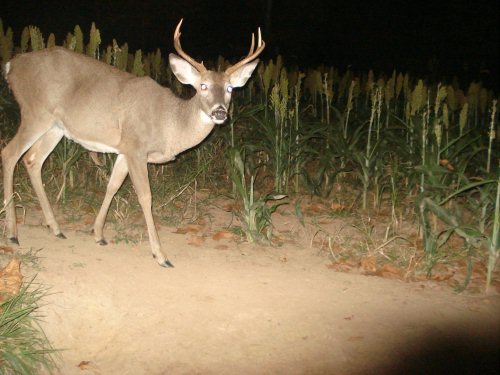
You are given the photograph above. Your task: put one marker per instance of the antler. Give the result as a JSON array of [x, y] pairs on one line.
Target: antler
[[251, 54], [177, 44]]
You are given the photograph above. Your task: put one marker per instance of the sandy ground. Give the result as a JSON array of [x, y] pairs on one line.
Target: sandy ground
[[229, 308]]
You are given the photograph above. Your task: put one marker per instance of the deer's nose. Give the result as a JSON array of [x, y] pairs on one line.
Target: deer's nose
[[219, 114]]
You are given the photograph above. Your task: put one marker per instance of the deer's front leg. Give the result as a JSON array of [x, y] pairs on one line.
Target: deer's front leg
[[138, 170]]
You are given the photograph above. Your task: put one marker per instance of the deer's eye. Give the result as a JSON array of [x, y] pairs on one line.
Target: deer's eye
[[203, 87], [229, 89]]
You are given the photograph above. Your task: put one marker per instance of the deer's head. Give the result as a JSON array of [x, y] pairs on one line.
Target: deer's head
[[213, 88]]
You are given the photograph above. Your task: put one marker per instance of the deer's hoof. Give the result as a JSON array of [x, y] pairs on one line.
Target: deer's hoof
[[61, 236], [166, 263], [14, 240], [102, 242]]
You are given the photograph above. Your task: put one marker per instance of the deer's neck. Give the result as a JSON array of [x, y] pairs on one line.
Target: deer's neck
[[191, 126]]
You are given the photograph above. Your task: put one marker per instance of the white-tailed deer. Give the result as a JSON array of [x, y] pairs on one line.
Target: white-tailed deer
[[63, 93]]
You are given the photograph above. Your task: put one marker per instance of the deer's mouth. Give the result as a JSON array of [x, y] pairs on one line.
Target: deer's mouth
[[219, 115]]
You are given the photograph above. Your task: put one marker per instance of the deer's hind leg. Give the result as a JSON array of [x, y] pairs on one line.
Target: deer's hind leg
[[28, 134], [33, 160], [120, 171]]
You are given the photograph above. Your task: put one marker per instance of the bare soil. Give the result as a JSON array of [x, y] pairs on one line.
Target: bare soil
[[238, 308]]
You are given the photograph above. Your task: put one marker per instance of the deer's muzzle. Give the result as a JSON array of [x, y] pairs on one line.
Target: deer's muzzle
[[219, 115]]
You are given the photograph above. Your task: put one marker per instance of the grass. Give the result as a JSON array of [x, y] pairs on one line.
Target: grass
[[24, 348]]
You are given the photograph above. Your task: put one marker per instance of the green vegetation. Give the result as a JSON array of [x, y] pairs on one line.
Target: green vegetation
[[256, 213], [426, 152], [24, 348]]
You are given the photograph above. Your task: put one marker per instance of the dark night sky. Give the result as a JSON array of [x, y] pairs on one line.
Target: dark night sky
[[366, 34]]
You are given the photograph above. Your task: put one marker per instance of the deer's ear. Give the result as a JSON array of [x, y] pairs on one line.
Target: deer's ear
[[183, 70], [243, 73]]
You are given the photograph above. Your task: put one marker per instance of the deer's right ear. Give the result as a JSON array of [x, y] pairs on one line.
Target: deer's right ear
[[243, 73], [183, 70]]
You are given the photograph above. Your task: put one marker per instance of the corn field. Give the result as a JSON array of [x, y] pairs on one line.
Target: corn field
[[425, 151]]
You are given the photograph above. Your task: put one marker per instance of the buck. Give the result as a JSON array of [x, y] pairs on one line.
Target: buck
[[65, 94]]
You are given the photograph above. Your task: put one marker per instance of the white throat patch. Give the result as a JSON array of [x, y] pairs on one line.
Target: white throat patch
[[205, 118]]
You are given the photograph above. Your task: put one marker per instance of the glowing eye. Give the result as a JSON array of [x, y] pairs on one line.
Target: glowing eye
[[229, 89], [203, 87]]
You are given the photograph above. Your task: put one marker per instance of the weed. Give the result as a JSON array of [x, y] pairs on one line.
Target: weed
[[256, 213], [24, 348]]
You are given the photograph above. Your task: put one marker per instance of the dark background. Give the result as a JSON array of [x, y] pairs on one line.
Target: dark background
[[455, 37]]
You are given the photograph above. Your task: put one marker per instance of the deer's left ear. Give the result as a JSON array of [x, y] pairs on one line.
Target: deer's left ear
[[239, 77], [183, 70]]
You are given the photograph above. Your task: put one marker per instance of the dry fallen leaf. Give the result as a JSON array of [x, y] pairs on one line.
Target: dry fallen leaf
[[87, 219], [178, 204], [181, 231], [6, 250], [230, 206], [342, 265], [390, 271], [442, 277], [369, 264], [446, 163], [223, 234], [196, 240], [194, 228], [10, 278], [442, 272], [190, 228], [84, 365], [100, 194], [277, 240], [314, 208], [479, 270], [338, 207]]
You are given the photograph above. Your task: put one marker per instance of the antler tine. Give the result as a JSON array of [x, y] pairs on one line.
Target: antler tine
[[252, 46], [252, 55], [177, 45], [260, 37]]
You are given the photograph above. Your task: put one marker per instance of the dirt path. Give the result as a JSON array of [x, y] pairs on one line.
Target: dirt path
[[246, 310]]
